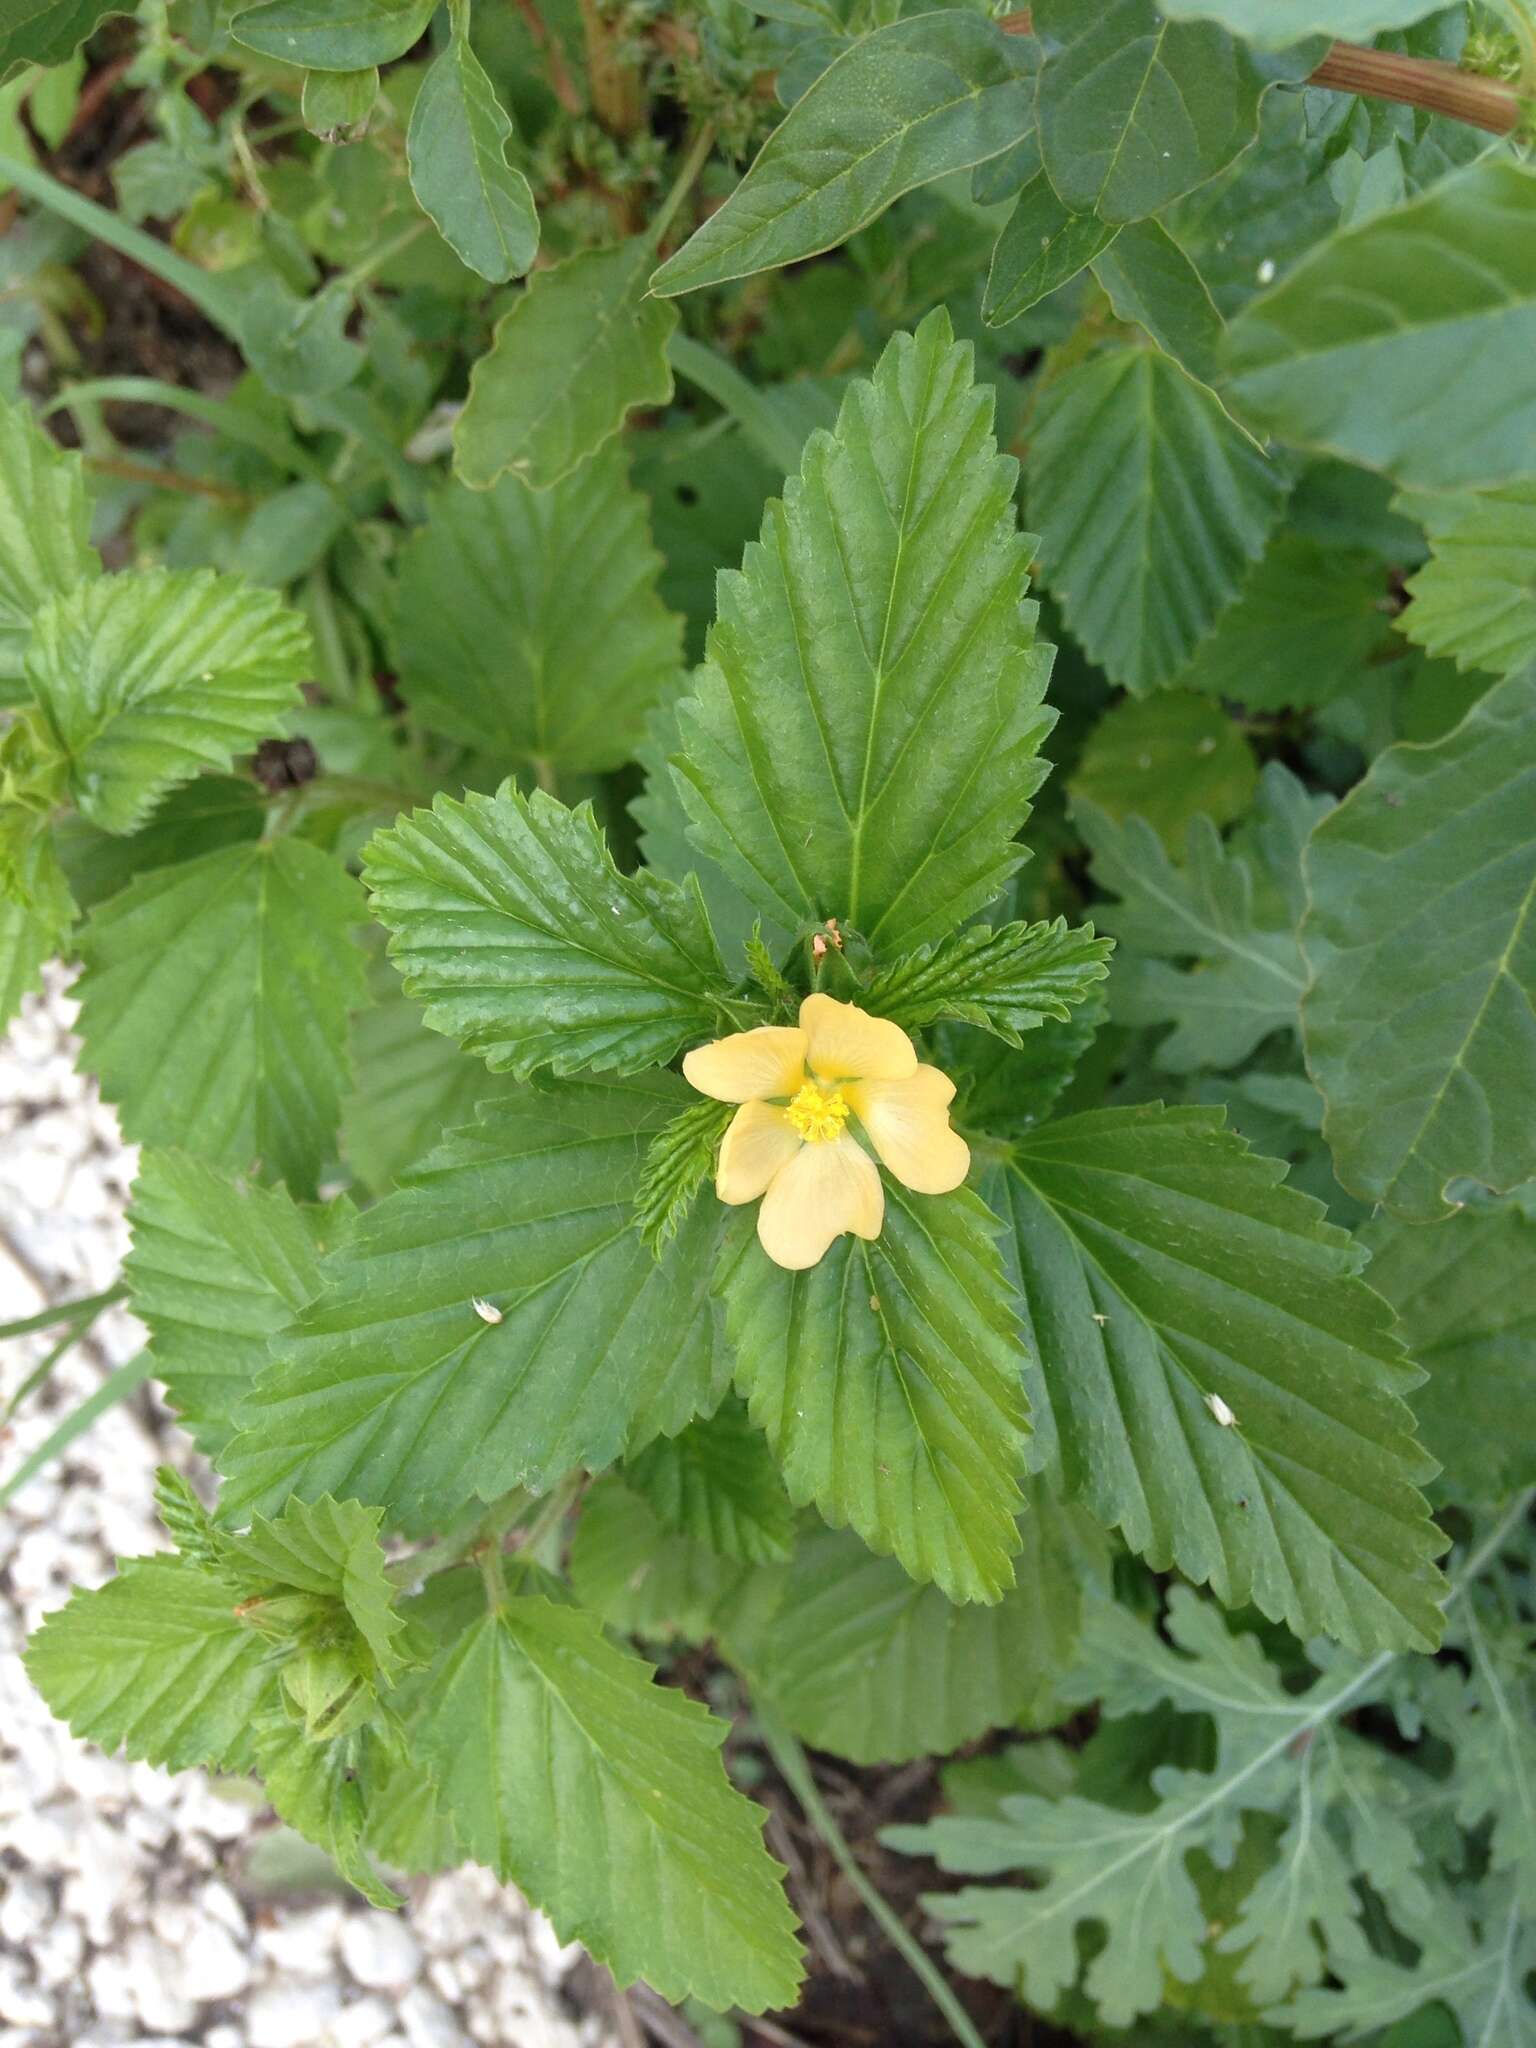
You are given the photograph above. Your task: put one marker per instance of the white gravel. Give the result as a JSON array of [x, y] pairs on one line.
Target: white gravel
[[136, 1907]]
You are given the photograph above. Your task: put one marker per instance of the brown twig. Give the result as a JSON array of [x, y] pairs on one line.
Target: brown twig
[[166, 479], [561, 82], [1383, 75]]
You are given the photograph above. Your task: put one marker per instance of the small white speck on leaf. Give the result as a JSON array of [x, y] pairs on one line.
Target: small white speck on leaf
[[1267, 270], [1100, 1320], [487, 1311], [1221, 1411]]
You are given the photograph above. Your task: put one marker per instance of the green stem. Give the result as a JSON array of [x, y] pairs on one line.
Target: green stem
[[229, 420], [682, 184], [476, 1525], [85, 1310], [796, 1773], [724, 383], [349, 280], [556, 1507]]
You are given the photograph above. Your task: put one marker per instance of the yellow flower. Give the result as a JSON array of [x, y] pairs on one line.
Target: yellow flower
[[790, 1141]]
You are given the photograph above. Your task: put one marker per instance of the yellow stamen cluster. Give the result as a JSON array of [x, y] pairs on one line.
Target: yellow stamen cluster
[[818, 1114]]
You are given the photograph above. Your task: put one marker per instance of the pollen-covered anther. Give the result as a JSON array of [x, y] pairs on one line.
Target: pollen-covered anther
[[818, 1113]]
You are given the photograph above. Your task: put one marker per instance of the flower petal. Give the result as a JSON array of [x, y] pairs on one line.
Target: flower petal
[[749, 1064], [760, 1141], [824, 1190], [908, 1125], [846, 1044]]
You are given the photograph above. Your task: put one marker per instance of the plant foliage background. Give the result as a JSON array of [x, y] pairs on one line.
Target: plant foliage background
[[1025, 524]]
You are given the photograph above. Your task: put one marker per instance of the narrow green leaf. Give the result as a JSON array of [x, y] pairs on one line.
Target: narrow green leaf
[[1223, 1388], [1475, 598], [889, 1381], [1193, 502], [528, 623], [1420, 1023], [214, 1005], [1135, 109], [156, 1664], [717, 1484], [45, 527], [911, 102], [1150, 280], [145, 678], [1169, 758], [681, 1158], [601, 1796], [398, 1388], [581, 348], [457, 149], [512, 924], [312, 33], [216, 1269], [1465, 1294], [863, 738], [1008, 981], [1428, 310], [1042, 247], [862, 1662]]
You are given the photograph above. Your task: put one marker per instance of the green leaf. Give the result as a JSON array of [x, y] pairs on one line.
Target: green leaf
[[1042, 247], [528, 623], [411, 1086], [601, 1796], [1302, 631], [1431, 310], [1475, 599], [199, 817], [1168, 759], [318, 1788], [457, 148], [1151, 281], [717, 1484], [396, 1388], [889, 1382], [626, 1568], [681, 1158], [1420, 1023], [336, 104], [1007, 982], [312, 33], [664, 841], [911, 102], [36, 912], [512, 924], [581, 348], [145, 678], [329, 1548], [1135, 110], [48, 32], [214, 1005], [1231, 910], [216, 1269], [862, 1662], [1193, 503], [45, 526], [1163, 1265], [1271, 27], [156, 1664], [1004, 1089], [864, 745], [1465, 1293]]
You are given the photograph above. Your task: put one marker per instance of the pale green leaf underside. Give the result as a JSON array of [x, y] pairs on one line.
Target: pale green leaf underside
[[393, 1388], [156, 1665], [1420, 1024], [911, 102], [217, 1268], [1475, 598], [1150, 505], [513, 926], [581, 348], [214, 1005], [862, 741], [1161, 1262], [1135, 110], [889, 1381], [528, 624], [146, 678], [457, 147], [45, 525], [601, 1795], [1407, 343]]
